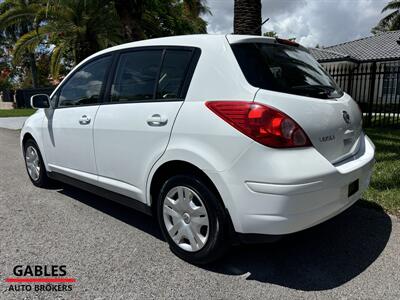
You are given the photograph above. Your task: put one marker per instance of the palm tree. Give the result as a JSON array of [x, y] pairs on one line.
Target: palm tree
[[247, 17], [392, 20], [142, 19], [130, 13], [16, 19], [76, 28], [193, 10]]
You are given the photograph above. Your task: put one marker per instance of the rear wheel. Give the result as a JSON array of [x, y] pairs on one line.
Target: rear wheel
[[34, 164], [192, 219]]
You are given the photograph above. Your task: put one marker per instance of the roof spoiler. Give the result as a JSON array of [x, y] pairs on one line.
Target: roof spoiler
[[238, 39]]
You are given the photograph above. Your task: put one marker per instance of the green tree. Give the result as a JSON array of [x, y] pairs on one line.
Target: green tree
[[392, 20], [76, 28], [270, 34], [173, 17], [130, 13], [247, 17], [5, 71], [43, 66], [154, 18], [194, 9], [16, 19]]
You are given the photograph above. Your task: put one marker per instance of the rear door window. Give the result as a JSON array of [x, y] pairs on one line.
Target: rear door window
[[284, 68], [173, 72], [136, 76]]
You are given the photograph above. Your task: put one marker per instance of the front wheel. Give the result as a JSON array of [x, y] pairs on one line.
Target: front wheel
[[34, 164], [192, 219]]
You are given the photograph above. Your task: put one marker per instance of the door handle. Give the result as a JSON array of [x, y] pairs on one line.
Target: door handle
[[84, 120], [157, 120]]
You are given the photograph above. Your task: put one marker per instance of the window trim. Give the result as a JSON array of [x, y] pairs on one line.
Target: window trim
[[113, 72], [155, 88], [105, 98], [190, 72], [196, 52], [184, 77], [105, 80]]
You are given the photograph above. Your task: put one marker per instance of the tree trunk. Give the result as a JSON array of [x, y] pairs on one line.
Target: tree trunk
[[34, 71], [130, 14], [247, 17], [31, 57]]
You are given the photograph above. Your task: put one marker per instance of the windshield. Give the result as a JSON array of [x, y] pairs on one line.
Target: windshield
[[286, 69]]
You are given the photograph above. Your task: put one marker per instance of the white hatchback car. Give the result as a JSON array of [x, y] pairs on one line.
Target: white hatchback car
[[223, 138]]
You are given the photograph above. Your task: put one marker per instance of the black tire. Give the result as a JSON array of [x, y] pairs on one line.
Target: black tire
[[43, 180], [217, 242]]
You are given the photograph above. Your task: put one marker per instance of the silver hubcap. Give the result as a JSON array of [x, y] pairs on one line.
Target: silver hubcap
[[32, 162], [186, 218]]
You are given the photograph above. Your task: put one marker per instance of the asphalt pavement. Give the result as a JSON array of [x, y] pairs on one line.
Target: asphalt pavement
[[114, 252], [12, 122]]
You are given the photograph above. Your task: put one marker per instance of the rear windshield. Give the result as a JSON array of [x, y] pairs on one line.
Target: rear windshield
[[286, 69]]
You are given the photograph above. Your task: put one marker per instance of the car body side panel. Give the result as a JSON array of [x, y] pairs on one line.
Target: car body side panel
[[127, 147], [34, 126], [204, 141], [218, 76], [199, 136]]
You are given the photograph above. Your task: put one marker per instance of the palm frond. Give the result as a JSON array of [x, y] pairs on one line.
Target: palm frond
[[197, 7], [41, 15], [395, 4], [15, 16], [395, 23], [385, 22], [56, 60], [29, 42]]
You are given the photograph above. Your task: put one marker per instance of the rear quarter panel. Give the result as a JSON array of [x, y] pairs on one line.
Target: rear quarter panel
[[197, 130]]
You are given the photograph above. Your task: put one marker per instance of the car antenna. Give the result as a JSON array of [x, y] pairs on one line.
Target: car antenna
[[262, 23], [258, 27]]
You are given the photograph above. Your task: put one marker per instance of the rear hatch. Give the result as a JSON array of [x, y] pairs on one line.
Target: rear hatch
[[291, 80]]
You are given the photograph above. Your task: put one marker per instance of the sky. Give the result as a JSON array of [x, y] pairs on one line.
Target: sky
[[312, 22]]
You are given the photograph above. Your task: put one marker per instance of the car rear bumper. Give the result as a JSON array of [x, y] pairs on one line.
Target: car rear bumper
[[309, 196]]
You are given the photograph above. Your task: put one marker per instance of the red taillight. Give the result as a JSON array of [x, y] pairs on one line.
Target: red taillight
[[262, 123]]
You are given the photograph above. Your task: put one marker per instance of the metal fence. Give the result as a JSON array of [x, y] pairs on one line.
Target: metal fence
[[376, 88], [23, 96]]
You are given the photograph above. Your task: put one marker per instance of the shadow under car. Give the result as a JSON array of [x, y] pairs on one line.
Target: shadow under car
[[320, 258]]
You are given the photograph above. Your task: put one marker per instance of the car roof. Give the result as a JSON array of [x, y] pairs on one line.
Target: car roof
[[215, 50], [194, 40]]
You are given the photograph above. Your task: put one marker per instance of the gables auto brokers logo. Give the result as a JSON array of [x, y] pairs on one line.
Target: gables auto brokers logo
[[40, 278]]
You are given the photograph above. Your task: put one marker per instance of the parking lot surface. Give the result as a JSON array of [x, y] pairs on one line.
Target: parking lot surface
[[12, 122], [114, 252]]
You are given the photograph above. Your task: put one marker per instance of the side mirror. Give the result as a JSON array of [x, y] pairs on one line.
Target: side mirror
[[40, 101]]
